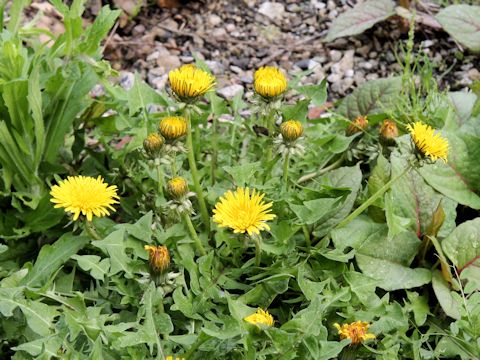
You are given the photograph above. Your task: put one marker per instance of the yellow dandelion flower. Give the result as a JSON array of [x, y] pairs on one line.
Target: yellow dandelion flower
[[159, 257], [243, 211], [291, 130], [357, 125], [269, 82], [85, 195], [177, 187], [170, 357], [260, 317], [356, 331], [189, 82], [173, 127], [153, 144], [427, 142]]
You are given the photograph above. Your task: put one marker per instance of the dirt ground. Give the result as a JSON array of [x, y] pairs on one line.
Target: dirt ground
[[236, 37]]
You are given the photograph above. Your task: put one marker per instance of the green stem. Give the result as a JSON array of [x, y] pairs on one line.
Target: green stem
[[306, 233], [285, 171], [270, 127], [332, 166], [214, 150], [193, 234], [91, 231], [258, 249], [372, 199], [174, 164], [195, 177], [159, 179]]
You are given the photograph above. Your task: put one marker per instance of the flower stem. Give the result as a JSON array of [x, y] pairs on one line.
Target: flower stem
[[160, 178], [306, 233], [214, 150], [372, 199], [193, 234], [285, 171], [173, 164], [91, 231], [270, 127], [194, 172], [258, 249]]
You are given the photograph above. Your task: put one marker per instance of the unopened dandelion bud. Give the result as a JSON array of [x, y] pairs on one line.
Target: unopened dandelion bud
[[357, 125], [291, 130], [153, 144], [173, 127], [159, 258], [388, 132], [269, 82], [177, 187]]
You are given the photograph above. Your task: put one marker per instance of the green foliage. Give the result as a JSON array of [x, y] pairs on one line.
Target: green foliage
[[43, 91], [363, 231]]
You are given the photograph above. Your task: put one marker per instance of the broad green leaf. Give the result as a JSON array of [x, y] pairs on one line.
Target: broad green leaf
[[364, 287], [462, 22], [317, 93], [419, 306], [114, 246], [344, 177], [444, 297], [373, 97], [52, 257], [463, 103], [95, 265], [242, 174], [446, 180], [316, 210], [412, 203], [462, 246], [362, 17], [141, 95], [95, 33], [39, 316], [46, 345], [391, 275]]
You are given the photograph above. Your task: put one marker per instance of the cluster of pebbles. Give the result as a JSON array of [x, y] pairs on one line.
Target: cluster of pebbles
[[236, 37]]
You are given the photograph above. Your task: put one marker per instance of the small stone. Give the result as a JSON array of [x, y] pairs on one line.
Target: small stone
[[334, 78], [236, 69], [126, 80], [216, 67], [272, 10], [169, 62], [214, 20], [318, 4], [474, 74], [335, 55], [349, 73], [219, 33], [230, 27], [138, 30], [186, 59], [303, 64], [229, 92]]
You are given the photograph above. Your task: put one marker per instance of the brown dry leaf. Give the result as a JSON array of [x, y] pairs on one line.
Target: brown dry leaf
[[169, 3]]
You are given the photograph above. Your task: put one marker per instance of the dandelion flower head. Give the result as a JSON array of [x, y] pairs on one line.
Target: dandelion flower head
[[427, 142], [84, 195], [269, 82], [260, 317], [356, 331], [243, 211], [189, 82], [173, 127]]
